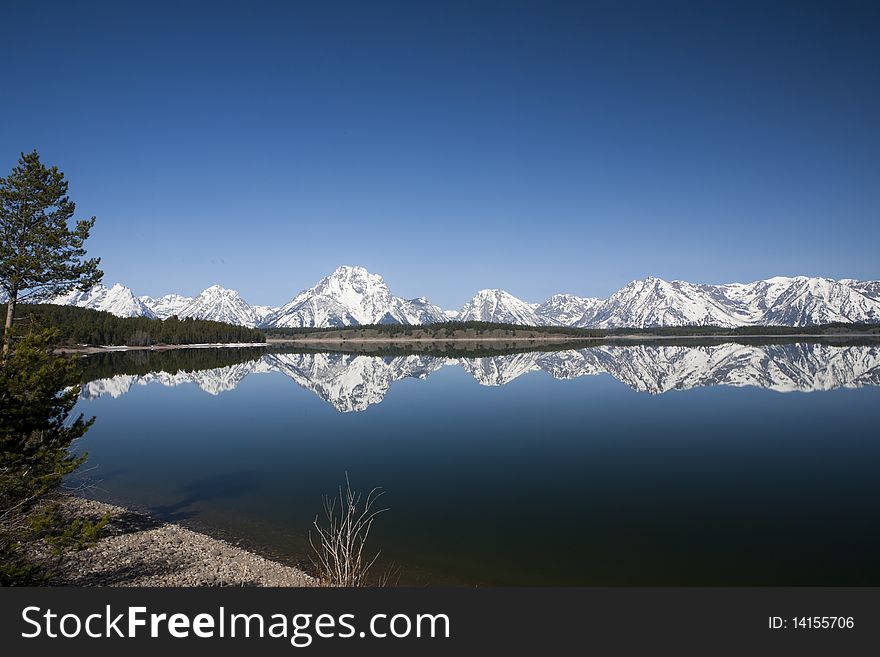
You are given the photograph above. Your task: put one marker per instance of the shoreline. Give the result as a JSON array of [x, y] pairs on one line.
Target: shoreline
[[104, 349], [399, 340], [92, 349], [568, 338], [138, 550]]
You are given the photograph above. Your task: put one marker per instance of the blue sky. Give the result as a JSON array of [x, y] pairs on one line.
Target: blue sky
[[451, 146]]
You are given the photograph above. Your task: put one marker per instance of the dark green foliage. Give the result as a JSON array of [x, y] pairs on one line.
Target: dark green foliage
[[40, 255], [37, 394], [84, 326], [440, 330], [447, 330], [63, 533]]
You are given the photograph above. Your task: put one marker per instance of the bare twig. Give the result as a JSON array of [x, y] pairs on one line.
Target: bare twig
[[339, 543]]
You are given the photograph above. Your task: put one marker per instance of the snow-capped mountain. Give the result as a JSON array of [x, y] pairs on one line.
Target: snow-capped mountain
[[355, 382], [220, 304], [166, 306], [655, 302], [420, 311], [870, 289], [216, 303], [117, 300], [262, 312], [498, 306], [780, 301], [566, 310], [806, 301], [351, 296]]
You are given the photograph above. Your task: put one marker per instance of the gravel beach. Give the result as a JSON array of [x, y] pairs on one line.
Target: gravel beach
[[137, 550]]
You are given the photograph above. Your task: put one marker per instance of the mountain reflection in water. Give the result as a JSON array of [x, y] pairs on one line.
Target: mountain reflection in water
[[354, 382]]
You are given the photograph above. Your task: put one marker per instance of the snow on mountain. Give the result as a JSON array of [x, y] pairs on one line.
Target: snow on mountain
[[498, 306], [567, 310], [166, 306], [216, 303], [117, 300], [785, 301], [870, 289], [262, 312], [808, 301], [655, 302], [420, 311], [801, 301], [220, 304], [351, 296]]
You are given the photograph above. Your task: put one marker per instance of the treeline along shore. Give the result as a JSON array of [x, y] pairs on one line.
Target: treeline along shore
[[490, 331], [84, 326], [79, 328]]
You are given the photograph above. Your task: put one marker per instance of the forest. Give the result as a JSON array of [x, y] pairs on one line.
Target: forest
[[84, 326], [442, 330], [473, 329]]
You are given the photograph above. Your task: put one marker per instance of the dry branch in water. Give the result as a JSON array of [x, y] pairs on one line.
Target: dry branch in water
[[339, 543]]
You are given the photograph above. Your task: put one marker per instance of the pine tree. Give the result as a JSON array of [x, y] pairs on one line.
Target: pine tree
[[40, 256], [37, 396]]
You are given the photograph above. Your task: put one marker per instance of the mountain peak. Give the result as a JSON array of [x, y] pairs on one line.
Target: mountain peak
[[220, 304], [650, 280], [494, 292], [117, 300], [495, 305], [219, 290], [345, 271], [349, 296]]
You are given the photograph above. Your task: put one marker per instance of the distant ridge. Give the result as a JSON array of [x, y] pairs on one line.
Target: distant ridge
[[352, 296]]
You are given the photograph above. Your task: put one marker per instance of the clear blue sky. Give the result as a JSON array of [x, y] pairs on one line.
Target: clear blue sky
[[451, 146]]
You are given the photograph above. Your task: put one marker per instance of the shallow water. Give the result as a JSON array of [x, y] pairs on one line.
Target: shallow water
[[716, 463]]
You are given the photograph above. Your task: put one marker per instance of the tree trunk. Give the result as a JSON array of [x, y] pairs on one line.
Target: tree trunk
[[7, 330]]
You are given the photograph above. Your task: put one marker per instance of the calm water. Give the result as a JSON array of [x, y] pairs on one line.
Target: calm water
[[616, 464]]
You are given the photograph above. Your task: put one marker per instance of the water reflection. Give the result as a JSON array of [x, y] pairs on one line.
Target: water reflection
[[354, 382]]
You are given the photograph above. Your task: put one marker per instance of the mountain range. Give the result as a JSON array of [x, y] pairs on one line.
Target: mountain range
[[354, 382], [216, 303], [352, 296]]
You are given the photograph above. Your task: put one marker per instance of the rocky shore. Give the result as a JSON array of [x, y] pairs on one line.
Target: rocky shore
[[136, 550]]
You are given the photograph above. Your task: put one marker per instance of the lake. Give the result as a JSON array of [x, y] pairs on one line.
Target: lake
[[675, 462]]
